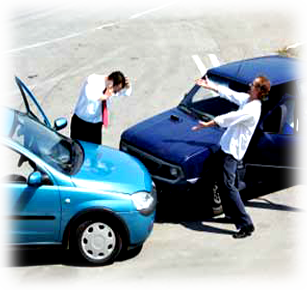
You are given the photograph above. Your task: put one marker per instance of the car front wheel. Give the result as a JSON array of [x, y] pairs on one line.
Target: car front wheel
[[97, 242], [216, 200]]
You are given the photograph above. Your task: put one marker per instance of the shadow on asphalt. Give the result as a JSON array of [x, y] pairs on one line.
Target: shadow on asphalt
[[200, 227], [32, 257], [267, 204], [25, 257], [189, 210], [179, 210], [191, 215], [193, 211]]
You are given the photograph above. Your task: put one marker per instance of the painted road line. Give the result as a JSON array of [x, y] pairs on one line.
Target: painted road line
[[214, 60], [58, 78], [73, 35], [295, 45], [150, 10], [201, 67]]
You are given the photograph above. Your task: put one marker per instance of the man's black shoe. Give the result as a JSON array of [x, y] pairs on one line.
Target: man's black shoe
[[244, 232]]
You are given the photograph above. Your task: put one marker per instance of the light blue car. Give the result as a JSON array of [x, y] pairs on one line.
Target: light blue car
[[94, 200]]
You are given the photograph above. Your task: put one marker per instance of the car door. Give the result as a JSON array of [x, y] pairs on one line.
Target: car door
[[34, 212], [33, 108], [276, 139], [31, 104]]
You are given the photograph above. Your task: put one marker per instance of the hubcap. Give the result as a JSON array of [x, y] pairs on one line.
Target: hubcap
[[216, 194], [98, 241]]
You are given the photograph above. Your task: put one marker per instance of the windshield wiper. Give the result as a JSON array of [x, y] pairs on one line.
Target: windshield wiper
[[200, 115], [184, 108], [188, 110]]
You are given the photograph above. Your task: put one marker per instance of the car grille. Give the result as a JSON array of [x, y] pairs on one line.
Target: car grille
[[159, 169]]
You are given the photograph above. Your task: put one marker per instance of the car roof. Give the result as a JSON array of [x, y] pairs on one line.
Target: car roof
[[278, 69], [6, 120]]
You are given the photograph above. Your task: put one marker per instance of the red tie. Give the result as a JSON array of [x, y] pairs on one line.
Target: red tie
[[105, 118]]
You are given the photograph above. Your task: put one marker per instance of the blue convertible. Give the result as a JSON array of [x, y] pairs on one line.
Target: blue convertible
[[177, 158], [94, 200]]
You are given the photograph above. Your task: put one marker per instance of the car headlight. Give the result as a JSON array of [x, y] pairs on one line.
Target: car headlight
[[145, 202], [123, 147], [174, 172]]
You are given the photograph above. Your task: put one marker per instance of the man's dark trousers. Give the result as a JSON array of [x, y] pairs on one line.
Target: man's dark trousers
[[232, 203]]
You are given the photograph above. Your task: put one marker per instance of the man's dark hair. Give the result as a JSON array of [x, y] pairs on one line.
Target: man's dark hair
[[263, 85], [118, 78]]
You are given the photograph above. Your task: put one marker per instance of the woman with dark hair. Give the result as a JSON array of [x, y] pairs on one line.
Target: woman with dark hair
[[91, 111], [240, 125]]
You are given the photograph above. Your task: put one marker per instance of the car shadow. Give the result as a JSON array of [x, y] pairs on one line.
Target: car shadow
[[179, 209], [33, 257], [26, 257], [193, 213]]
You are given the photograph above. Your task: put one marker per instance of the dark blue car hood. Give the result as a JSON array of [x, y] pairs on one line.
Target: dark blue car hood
[[171, 138]]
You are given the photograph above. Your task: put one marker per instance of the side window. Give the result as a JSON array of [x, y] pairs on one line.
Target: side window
[[11, 171], [282, 119], [19, 168]]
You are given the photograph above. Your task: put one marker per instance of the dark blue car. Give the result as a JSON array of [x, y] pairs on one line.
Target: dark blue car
[[177, 157]]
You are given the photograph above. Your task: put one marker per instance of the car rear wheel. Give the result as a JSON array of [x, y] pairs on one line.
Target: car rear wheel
[[216, 200], [97, 242]]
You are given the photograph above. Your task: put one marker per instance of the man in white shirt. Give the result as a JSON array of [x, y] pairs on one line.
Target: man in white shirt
[[240, 125], [91, 111]]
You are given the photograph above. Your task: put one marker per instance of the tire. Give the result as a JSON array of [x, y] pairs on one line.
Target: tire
[[130, 253], [217, 208], [97, 242], [135, 251]]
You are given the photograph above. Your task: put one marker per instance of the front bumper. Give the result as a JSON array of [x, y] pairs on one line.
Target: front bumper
[[139, 226]]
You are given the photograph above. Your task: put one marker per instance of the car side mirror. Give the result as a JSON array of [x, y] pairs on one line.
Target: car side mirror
[[35, 179], [59, 124]]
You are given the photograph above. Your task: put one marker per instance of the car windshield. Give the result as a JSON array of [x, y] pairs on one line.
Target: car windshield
[[206, 104], [62, 153]]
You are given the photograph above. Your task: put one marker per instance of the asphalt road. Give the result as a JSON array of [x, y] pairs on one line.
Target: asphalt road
[[163, 46]]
